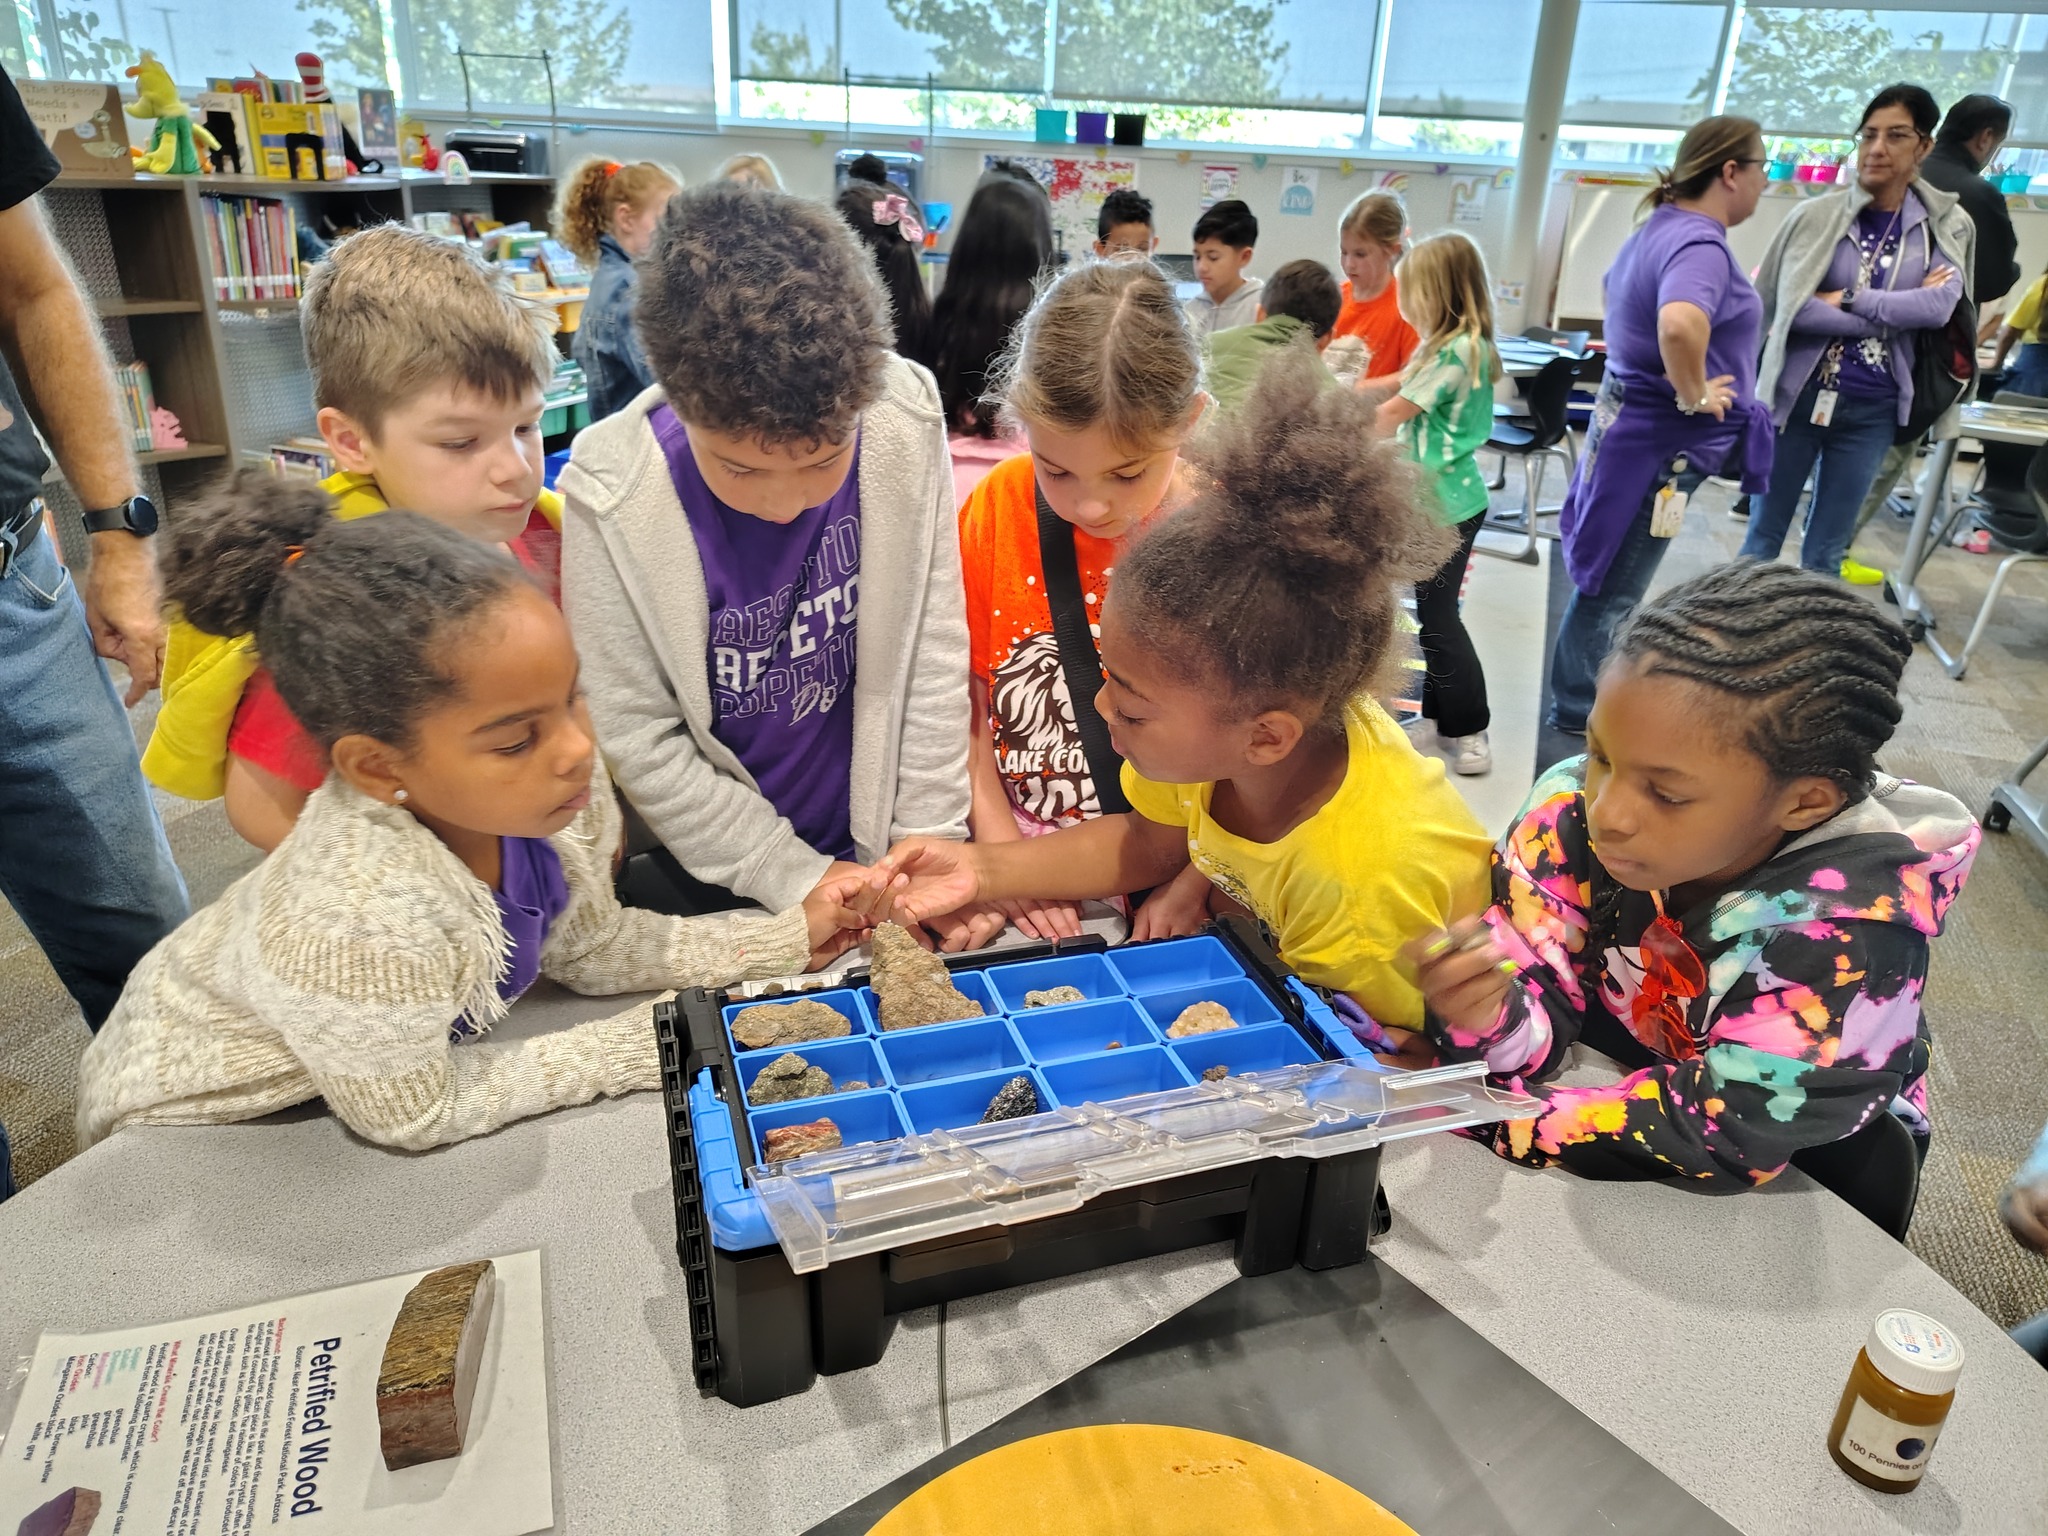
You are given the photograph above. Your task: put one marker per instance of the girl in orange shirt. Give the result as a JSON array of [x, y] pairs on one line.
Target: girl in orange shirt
[[1371, 237], [1104, 381]]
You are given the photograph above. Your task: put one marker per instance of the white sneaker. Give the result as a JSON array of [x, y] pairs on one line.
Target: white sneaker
[[1470, 755]]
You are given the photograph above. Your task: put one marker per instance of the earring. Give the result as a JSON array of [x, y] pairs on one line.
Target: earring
[[399, 796]]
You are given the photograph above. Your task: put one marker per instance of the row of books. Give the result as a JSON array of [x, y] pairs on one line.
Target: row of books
[[304, 458], [255, 246], [138, 401]]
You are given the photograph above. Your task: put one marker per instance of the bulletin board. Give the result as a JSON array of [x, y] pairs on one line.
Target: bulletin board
[[1077, 185]]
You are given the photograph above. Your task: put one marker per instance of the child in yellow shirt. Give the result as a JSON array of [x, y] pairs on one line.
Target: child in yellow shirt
[[1243, 638], [428, 376]]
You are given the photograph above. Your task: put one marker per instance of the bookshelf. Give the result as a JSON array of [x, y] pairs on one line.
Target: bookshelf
[[233, 371]]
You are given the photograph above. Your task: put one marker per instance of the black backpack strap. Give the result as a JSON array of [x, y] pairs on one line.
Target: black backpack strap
[[1079, 659]]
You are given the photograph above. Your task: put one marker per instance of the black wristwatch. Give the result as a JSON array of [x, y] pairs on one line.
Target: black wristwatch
[[136, 515]]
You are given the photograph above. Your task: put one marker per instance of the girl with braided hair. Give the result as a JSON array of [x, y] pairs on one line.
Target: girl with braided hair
[[1724, 894]]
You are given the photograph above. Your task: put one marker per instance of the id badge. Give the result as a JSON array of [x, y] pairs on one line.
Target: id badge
[[1667, 517], [1824, 407]]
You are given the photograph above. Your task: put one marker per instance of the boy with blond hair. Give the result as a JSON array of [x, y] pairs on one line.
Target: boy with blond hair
[[428, 376]]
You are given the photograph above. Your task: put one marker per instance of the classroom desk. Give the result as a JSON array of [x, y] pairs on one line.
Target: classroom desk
[[1986, 423], [1710, 1335]]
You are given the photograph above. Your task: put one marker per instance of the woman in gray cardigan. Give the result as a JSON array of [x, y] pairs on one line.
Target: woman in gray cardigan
[[1847, 281], [760, 563]]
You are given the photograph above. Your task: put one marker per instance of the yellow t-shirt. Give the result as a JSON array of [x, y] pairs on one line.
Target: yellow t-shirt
[[1394, 854], [2026, 318]]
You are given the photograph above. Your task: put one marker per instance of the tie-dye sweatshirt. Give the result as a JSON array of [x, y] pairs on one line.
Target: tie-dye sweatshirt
[[1810, 1023]]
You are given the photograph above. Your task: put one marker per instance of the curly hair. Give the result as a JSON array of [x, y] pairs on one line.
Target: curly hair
[[1104, 344], [595, 191], [1282, 578], [1123, 205], [353, 619], [1809, 671], [762, 315]]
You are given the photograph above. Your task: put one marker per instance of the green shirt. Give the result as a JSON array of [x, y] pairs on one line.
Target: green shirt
[[1453, 391], [1237, 355]]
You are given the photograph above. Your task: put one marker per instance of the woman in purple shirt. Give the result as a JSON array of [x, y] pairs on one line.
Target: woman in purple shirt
[[1678, 402], [1846, 282]]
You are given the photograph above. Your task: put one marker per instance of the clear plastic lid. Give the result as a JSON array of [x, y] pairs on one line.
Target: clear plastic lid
[[861, 1199]]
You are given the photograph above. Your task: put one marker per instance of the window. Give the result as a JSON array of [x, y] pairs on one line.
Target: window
[[1809, 69], [640, 55], [200, 39], [1645, 63]]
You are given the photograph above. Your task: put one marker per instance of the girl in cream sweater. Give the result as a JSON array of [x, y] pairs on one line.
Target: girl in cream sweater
[[461, 846]]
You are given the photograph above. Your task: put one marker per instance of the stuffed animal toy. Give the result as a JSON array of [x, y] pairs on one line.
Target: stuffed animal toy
[[173, 143], [313, 77]]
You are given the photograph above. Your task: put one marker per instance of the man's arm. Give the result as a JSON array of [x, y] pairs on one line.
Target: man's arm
[[61, 363]]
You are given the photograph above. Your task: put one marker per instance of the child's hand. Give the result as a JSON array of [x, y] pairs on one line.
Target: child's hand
[[969, 927], [1463, 975], [842, 908], [2025, 1209], [937, 877], [1044, 919], [1177, 910]]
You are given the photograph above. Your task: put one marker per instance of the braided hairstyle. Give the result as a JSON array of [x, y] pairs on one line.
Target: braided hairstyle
[[1810, 671], [1280, 581]]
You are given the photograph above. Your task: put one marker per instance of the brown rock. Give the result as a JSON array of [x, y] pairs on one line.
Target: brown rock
[[767, 1024], [1215, 1074], [854, 1085], [1114, 1045], [1203, 1018], [71, 1513], [788, 1077], [912, 984], [1052, 996], [787, 1141], [428, 1379]]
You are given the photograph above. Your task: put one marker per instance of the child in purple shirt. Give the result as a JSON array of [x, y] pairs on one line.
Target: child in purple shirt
[[760, 563]]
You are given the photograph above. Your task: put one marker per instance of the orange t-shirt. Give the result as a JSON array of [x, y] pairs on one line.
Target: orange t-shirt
[[1388, 338], [1012, 650]]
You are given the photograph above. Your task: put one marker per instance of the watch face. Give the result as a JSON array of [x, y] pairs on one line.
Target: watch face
[[142, 518]]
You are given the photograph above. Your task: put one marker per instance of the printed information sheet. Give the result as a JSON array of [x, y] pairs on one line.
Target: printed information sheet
[[267, 1418]]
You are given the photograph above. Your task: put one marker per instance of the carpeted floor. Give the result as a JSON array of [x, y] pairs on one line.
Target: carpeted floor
[[1990, 972]]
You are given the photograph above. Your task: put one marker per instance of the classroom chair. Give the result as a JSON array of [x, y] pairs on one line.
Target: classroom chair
[[2037, 487], [1544, 434], [1877, 1171]]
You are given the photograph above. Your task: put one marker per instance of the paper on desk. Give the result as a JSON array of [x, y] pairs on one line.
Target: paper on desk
[[220, 1424]]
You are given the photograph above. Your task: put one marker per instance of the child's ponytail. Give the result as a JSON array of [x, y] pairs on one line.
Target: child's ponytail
[[223, 561], [596, 189], [1282, 577], [352, 618]]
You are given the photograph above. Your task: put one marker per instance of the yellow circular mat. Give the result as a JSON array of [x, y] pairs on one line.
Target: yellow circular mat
[[1135, 1480]]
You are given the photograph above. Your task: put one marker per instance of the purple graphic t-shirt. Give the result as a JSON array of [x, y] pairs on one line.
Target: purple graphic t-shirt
[[784, 599]]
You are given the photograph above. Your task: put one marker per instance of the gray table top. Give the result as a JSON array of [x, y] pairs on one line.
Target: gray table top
[[1711, 1335]]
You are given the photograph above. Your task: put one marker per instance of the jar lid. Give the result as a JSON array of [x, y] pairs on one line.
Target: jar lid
[[1913, 1351]]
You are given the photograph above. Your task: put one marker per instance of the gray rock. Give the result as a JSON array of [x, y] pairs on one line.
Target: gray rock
[[1014, 1098], [788, 1077], [912, 984], [1052, 995], [767, 1024]]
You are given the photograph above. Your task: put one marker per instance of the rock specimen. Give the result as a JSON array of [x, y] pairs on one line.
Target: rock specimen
[[428, 1378], [1114, 1045], [854, 1085], [787, 1141], [1203, 1018], [767, 1024], [1215, 1074], [912, 984], [788, 1077], [1014, 1098], [1052, 995], [71, 1513]]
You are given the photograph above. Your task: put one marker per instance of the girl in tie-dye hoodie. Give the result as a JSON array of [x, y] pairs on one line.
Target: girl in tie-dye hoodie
[[1724, 894]]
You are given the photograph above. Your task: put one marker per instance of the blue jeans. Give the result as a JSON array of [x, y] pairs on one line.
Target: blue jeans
[[83, 859], [2029, 375], [1586, 633], [1849, 450]]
